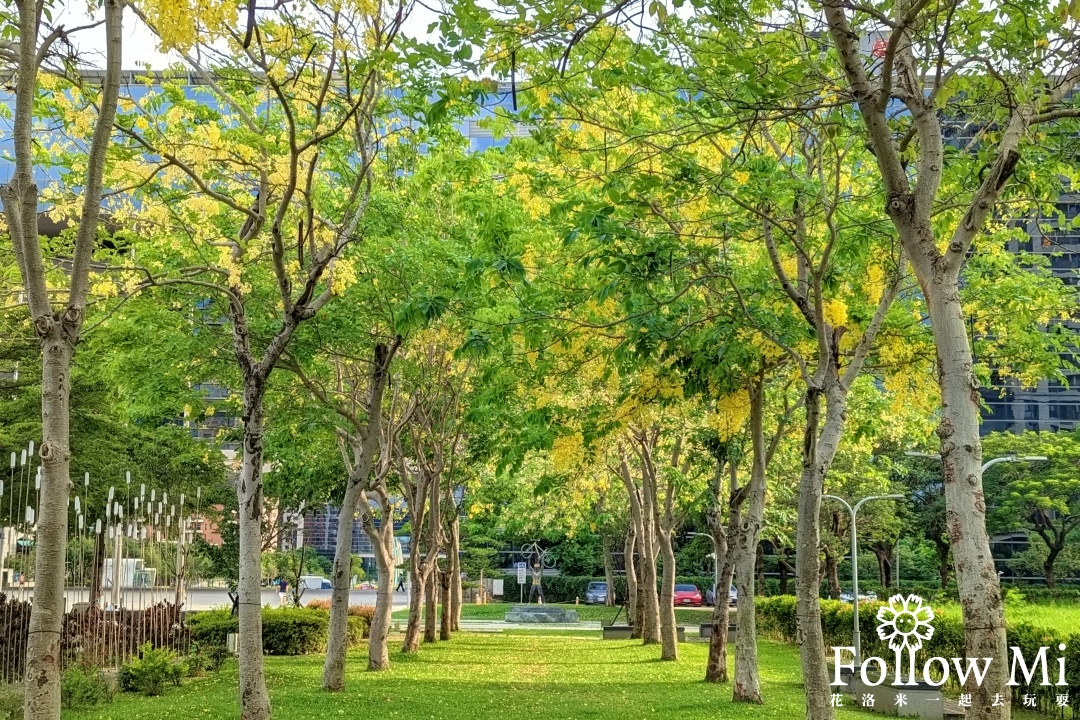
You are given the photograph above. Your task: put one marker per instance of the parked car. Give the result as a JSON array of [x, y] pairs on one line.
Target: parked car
[[596, 593], [688, 595], [863, 597], [710, 596]]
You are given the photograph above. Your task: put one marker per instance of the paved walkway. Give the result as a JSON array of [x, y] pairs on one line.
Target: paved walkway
[[501, 625]]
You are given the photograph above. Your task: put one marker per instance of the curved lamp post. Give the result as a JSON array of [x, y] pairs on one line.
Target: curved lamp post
[[716, 564], [853, 511]]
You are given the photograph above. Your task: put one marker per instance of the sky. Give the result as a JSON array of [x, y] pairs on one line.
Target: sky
[[140, 46]]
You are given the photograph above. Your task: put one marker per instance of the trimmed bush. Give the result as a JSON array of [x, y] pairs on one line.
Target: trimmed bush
[[211, 627], [776, 618], [294, 631], [286, 631]]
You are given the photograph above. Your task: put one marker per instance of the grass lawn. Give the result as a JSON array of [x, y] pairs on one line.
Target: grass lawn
[[480, 677], [496, 611]]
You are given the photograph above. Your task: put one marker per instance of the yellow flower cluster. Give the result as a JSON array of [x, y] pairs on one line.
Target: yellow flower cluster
[[567, 452], [730, 414], [179, 23]]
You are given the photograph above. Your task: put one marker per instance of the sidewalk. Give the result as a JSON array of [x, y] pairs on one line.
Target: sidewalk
[[493, 626]]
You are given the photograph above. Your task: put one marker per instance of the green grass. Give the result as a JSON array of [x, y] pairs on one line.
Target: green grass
[[482, 677], [593, 613]]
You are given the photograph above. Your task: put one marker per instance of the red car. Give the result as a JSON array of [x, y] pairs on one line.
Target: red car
[[687, 595]]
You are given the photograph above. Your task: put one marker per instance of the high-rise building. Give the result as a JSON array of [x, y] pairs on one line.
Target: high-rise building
[[1052, 405]]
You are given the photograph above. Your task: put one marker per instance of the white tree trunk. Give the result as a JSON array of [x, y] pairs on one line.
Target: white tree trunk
[[47, 612], [961, 454], [455, 572], [747, 687], [254, 700], [418, 574], [378, 648], [57, 331], [337, 642], [647, 532]]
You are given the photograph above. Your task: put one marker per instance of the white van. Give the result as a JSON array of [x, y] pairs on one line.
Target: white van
[[314, 582]]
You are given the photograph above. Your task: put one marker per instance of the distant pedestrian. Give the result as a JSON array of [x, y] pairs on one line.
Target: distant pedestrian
[[401, 583], [282, 591]]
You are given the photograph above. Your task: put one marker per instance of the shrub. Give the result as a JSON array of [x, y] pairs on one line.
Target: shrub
[[286, 631], [84, 685], [294, 631], [151, 671], [205, 657], [212, 627], [776, 617], [11, 701]]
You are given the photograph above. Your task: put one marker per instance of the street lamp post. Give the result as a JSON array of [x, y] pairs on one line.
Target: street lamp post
[[853, 511], [989, 463], [716, 564]]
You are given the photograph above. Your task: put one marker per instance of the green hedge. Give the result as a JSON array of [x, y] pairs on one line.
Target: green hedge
[[776, 617], [286, 631]]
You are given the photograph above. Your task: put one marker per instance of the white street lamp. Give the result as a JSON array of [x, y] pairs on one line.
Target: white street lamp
[[716, 566], [988, 463], [853, 511]]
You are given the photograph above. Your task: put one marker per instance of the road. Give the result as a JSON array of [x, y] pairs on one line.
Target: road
[[207, 598]]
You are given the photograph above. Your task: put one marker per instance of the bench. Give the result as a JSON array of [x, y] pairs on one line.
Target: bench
[[705, 631]]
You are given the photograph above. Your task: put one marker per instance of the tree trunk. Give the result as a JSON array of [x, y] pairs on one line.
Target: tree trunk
[[378, 650], [883, 553], [254, 700], [961, 454], [363, 448], [1048, 567], [47, 609], [832, 572], [669, 640], [745, 546], [633, 618], [759, 569], [431, 603], [784, 567], [447, 610], [97, 565], [417, 582], [818, 453], [650, 627], [609, 573], [455, 572], [943, 561], [716, 670], [337, 640], [639, 616]]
